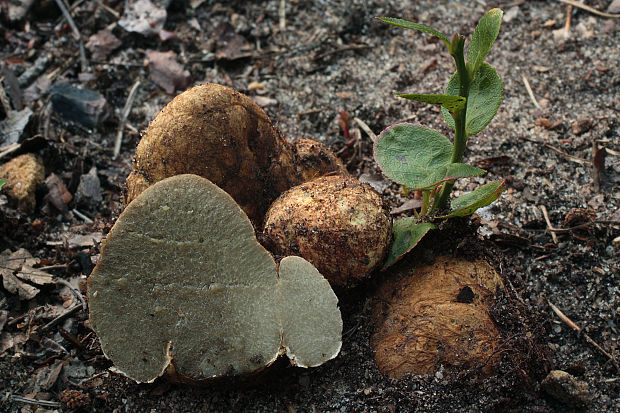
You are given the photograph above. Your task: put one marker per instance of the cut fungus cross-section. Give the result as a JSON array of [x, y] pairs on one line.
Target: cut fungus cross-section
[[183, 284]]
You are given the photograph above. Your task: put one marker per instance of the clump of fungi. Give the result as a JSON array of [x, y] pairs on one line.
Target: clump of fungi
[[184, 288]]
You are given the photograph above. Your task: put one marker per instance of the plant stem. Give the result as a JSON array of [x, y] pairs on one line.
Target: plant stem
[[460, 136]]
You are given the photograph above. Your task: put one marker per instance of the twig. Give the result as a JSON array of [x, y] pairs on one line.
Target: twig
[[126, 109], [282, 15], [575, 327], [76, 33], [529, 91], [75, 292], [82, 216], [37, 402], [569, 10], [590, 9], [340, 50], [365, 128], [549, 226], [9, 149], [553, 148], [62, 316], [108, 9]]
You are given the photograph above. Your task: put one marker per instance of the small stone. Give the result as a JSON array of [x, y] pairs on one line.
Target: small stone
[[57, 193], [614, 7], [102, 43], [89, 190], [566, 389], [23, 174], [581, 125], [12, 128], [84, 106], [17, 9]]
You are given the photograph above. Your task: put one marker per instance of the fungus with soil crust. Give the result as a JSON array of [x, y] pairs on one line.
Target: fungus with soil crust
[[222, 135], [183, 285], [337, 223]]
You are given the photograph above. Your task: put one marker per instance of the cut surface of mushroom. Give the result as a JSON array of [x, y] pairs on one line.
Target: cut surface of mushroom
[[183, 280]]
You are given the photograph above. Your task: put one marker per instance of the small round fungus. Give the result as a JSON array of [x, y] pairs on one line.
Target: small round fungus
[[336, 222], [436, 315]]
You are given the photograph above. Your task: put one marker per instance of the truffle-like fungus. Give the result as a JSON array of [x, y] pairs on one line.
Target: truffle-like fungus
[[436, 315], [183, 284], [337, 223]]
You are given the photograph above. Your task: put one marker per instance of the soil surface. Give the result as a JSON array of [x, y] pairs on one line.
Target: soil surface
[[304, 61]]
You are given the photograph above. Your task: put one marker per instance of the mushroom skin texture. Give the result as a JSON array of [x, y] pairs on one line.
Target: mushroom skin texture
[[313, 160], [222, 135], [436, 315], [336, 222], [183, 287]]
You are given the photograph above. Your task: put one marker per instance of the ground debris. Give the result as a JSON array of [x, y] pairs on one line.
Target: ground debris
[[81, 105], [166, 72], [565, 388]]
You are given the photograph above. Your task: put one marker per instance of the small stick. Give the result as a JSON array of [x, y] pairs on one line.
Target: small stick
[[549, 226], [10, 149], [282, 15], [569, 10], [38, 402], [126, 109], [82, 216], [76, 33], [108, 9], [553, 148], [578, 329], [590, 9], [366, 128], [62, 316], [529, 91]]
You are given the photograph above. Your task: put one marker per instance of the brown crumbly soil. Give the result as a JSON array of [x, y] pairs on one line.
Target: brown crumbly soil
[[333, 56]]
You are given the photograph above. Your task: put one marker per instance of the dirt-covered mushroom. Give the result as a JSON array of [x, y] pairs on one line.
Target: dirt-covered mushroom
[[337, 223], [182, 282], [436, 315], [219, 134], [313, 160], [222, 135]]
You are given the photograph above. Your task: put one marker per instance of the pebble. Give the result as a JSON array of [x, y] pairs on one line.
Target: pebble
[[89, 190], [84, 106], [24, 174], [566, 388]]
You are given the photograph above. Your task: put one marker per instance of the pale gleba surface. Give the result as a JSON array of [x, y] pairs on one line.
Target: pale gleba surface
[[182, 279]]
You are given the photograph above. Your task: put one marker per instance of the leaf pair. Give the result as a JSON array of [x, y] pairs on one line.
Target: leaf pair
[[485, 95], [418, 158]]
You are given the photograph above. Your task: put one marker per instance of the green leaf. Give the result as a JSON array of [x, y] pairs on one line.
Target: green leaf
[[415, 26], [407, 234], [3, 182], [461, 170], [411, 155], [485, 95], [480, 197], [482, 40], [418, 157], [451, 103]]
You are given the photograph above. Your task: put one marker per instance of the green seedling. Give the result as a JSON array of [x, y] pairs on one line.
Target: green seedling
[[3, 182], [421, 159]]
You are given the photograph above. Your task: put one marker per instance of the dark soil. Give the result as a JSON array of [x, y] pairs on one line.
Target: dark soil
[[334, 56]]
